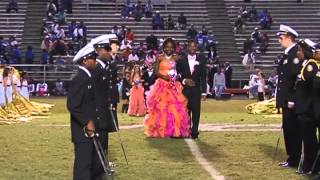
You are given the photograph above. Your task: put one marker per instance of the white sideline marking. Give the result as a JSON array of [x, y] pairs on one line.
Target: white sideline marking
[[208, 166]]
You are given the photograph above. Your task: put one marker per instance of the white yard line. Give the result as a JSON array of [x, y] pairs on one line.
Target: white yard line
[[208, 166]]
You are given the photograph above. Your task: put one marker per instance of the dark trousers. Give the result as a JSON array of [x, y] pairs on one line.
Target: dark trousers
[[87, 165], [292, 136], [193, 94], [310, 141]]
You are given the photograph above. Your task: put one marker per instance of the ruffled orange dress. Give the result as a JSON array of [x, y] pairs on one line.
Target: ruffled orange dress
[[167, 107]]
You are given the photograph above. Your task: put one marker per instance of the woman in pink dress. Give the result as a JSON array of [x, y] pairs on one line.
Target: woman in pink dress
[[136, 99], [167, 106]]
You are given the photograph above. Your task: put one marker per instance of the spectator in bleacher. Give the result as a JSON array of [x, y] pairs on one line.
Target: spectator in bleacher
[[12, 41], [16, 56], [212, 54], [178, 48], [253, 14], [243, 12], [265, 19], [44, 57], [125, 54], [44, 28], [219, 82], [29, 55], [122, 33], [152, 41], [59, 89], [141, 50], [46, 44], [60, 16], [192, 32], [239, 24], [148, 8], [3, 55], [12, 5], [264, 42], [59, 47], [52, 9], [204, 30], [182, 22], [60, 33], [202, 41], [115, 30], [72, 26], [255, 35], [212, 42], [133, 57], [124, 13], [42, 88], [67, 4], [80, 33], [157, 21], [31, 87], [170, 22], [129, 36], [248, 45], [124, 45], [138, 11], [228, 74], [150, 58]]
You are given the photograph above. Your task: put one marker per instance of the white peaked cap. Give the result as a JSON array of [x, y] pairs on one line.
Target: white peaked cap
[[85, 51], [285, 30]]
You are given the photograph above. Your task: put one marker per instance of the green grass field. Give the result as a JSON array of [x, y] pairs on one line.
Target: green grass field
[[41, 149]]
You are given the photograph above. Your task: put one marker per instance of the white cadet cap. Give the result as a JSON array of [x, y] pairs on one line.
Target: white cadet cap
[[310, 43], [286, 30], [104, 39], [84, 53]]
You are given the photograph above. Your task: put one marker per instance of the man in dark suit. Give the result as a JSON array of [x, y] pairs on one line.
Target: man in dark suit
[[228, 74], [103, 79], [288, 69], [82, 107], [192, 71], [148, 77]]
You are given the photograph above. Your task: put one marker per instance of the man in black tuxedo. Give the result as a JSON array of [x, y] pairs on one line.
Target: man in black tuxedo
[[288, 69], [228, 74], [192, 71], [82, 107], [103, 80], [148, 77]]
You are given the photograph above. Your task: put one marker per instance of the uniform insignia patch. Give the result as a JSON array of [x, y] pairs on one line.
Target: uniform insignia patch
[[295, 60], [309, 68]]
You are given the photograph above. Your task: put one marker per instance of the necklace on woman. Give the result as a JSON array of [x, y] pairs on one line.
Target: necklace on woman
[[168, 57]]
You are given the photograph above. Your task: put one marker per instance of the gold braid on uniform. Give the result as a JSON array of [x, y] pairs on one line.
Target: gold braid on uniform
[[262, 107]]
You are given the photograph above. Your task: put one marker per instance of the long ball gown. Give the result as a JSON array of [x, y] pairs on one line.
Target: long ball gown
[[167, 106], [136, 99]]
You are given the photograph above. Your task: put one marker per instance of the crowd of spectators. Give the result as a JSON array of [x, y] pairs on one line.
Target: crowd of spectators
[[252, 15]]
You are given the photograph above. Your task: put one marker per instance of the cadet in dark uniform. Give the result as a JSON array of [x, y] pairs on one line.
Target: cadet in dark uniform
[[149, 78], [304, 109], [82, 107], [288, 70], [103, 81]]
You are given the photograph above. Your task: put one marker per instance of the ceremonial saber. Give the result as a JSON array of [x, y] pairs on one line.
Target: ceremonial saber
[[277, 145], [117, 129], [102, 157]]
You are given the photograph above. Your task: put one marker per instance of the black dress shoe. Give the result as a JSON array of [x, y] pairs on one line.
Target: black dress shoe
[[195, 136], [303, 173]]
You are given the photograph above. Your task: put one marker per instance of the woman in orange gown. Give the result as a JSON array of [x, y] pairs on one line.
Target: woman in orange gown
[[166, 105], [137, 105]]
